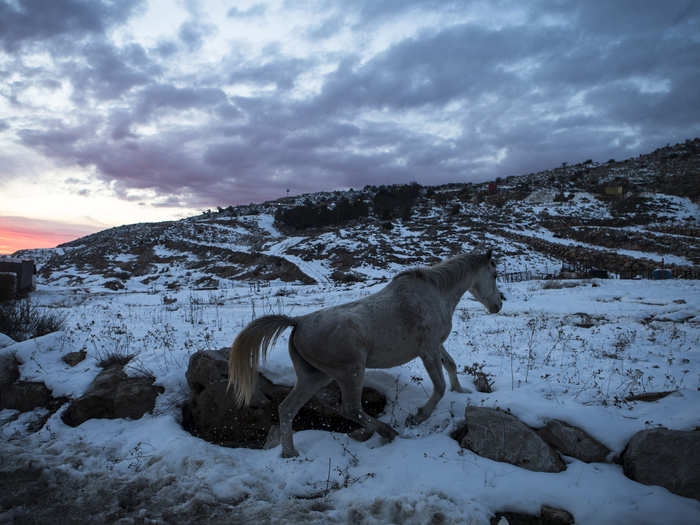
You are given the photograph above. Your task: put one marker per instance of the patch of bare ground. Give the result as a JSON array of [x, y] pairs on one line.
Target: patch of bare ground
[[36, 492]]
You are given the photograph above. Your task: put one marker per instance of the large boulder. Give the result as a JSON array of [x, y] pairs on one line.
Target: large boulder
[[113, 395], [670, 458], [213, 415], [500, 436], [574, 442]]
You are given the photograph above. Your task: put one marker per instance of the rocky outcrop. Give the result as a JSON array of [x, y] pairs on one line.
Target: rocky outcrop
[[500, 436], [574, 442], [212, 414], [113, 395], [670, 458], [25, 396]]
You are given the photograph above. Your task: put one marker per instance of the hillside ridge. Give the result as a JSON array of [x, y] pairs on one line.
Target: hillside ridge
[[624, 217]]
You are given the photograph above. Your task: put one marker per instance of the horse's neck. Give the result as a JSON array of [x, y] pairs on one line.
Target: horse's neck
[[457, 290]]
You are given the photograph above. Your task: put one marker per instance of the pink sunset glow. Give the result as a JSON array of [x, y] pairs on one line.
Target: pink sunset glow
[[21, 233]]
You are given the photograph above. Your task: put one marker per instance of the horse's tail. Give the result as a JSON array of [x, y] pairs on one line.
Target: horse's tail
[[245, 353]]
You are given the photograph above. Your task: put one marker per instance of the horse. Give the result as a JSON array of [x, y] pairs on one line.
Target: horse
[[410, 317]]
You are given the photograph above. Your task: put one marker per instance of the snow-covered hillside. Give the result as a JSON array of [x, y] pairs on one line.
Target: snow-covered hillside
[[577, 350]]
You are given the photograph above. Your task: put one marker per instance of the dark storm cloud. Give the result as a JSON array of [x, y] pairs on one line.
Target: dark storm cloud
[[32, 21], [557, 83], [107, 72], [460, 62]]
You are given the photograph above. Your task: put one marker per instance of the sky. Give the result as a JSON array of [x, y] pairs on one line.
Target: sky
[[125, 111]]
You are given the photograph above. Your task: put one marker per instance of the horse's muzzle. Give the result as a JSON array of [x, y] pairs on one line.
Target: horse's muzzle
[[495, 308]]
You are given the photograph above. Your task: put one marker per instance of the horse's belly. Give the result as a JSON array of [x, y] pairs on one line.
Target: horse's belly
[[390, 355]]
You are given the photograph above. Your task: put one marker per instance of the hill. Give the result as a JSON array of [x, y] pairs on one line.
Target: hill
[[625, 218]]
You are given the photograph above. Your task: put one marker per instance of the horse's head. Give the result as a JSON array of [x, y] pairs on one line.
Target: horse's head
[[484, 288]]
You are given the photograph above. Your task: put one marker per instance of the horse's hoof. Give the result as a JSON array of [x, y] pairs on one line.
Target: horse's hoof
[[361, 434]]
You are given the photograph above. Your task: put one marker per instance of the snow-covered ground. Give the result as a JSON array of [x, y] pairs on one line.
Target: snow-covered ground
[[571, 353]]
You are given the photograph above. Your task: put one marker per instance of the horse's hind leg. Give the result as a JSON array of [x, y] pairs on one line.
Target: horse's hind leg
[[433, 365], [350, 382], [451, 368], [309, 381]]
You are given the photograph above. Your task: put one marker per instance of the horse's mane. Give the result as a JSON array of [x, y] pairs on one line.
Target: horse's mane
[[446, 273]]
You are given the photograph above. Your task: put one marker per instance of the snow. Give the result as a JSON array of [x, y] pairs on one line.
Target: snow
[[645, 336]]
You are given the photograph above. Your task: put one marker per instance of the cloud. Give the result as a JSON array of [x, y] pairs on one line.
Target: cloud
[[29, 22], [256, 10], [193, 34], [359, 93]]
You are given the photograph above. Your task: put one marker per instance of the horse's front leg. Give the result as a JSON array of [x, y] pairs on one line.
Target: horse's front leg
[[433, 365]]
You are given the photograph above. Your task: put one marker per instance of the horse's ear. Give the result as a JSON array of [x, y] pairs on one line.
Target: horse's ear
[[489, 254]]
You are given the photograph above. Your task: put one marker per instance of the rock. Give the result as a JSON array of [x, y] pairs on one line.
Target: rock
[[574, 442], [212, 415], [25, 396], [670, 458], [497, 435], [548, 516], [73, 358], [555, 516], [113, 395], [9, 369]]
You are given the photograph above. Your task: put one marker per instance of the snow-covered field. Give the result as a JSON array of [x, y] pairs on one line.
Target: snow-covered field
[[572, 353]]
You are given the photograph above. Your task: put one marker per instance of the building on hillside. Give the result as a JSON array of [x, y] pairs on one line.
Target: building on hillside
[[17, 277], [615, 190]]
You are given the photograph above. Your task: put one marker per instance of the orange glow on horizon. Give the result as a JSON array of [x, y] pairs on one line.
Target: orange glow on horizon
[[11, 241], [18, 233]]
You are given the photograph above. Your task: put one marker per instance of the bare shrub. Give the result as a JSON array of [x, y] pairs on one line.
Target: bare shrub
[[22, 319]]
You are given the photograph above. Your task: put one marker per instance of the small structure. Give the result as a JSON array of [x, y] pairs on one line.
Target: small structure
[[661, 273], [615, 190], [17, 277]]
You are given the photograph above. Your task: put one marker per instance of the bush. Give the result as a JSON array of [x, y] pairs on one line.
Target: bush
[[311, 215], [23, 320], [391, 202]]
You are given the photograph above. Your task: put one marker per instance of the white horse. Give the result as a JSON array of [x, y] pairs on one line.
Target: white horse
[[410, 317]]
